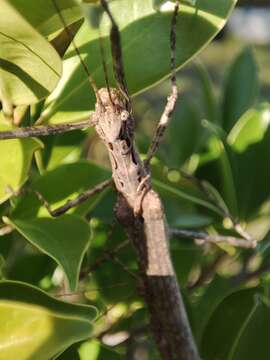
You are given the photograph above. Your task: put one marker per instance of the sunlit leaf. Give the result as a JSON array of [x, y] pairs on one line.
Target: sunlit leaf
[[250, 128], [30, 66], [145, 44], [37, 326], [15, 161], [42, 14], [241, 88]]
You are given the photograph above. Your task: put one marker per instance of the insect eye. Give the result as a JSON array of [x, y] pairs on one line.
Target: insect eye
[[124, 115]]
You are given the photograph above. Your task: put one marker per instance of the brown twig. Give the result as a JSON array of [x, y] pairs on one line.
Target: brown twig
[[36, 131], [107, 255], [74, 202], [204, 238]]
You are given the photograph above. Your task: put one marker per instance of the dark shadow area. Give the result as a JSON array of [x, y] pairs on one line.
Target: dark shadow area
[[23, 76]]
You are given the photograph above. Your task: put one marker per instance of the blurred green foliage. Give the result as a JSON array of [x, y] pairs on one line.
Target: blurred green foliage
[[211, 171]]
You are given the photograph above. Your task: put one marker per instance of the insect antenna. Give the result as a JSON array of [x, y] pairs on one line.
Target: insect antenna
[[116, 49], [85, 67], [105, 68]]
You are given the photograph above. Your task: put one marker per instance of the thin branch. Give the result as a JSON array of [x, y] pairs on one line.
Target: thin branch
[[239, 229], [172, 99], [36, 131], [106, 255], [74, 202], [204, 238]]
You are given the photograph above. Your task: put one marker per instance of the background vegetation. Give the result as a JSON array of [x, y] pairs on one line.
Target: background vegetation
[[212, 172]]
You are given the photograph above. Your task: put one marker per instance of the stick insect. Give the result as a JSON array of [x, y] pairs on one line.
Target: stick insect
[[40, 131], [139, 208]]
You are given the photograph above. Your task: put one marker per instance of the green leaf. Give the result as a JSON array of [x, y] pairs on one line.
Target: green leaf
[[37, 326], [210, 105], [62, 149], [30, 68], [241, 88], [65, 239], [15, 161], [94, 350], [241, 319], [185, 255], [22, 270], [145, 44], [119, 283], [215, 293], [187, 193], [252, 176], [42, 14], [250, 128], [221, 173], [184, 134], [193, 221]]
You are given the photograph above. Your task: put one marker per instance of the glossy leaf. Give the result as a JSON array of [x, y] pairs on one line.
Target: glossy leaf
[[251, 174], [250, 128], [30, 66], [93, 350], [42, 14], [241, 88], [62, 149], [15, 161], [37, 326], [184, 134], [57, 237], [241, 319], [221, 173], [145, 44]]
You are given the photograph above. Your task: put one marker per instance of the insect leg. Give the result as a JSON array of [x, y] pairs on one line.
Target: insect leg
[[172, 98], [81, 198], [36, 131]]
